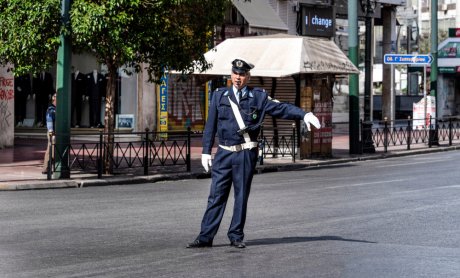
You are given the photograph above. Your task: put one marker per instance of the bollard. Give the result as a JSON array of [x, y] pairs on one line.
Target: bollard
[[188, 160], [430, 134], [450, 131], [99, 157], [385, 136], [50, 155], [293, 142], [361, 125], [409, 132], [146, 152]]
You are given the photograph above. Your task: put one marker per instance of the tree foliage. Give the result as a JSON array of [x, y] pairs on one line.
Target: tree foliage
[[161, 34], [29, 34]]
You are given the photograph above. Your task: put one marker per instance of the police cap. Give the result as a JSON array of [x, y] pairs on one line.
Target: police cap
[[241, 66]]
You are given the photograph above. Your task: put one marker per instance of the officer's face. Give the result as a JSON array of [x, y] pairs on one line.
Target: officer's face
[[240, 80]]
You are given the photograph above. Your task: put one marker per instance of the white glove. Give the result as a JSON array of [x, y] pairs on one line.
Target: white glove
[[311, 119], [206, 161]]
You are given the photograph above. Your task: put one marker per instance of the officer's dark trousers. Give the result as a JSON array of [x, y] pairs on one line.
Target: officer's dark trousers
[[228, 167]]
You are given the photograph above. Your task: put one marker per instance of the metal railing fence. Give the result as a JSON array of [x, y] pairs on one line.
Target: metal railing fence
[[149, 151], [89, 153], [278, 143], [158, 151], [406, 134]]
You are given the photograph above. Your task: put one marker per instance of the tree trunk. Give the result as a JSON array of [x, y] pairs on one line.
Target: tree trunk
[[109, 120]]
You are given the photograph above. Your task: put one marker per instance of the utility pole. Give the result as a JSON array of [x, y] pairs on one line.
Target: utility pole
[[434, 68], [368, 145], [368, 9], [63, 98], [353, 129], [434, 48]]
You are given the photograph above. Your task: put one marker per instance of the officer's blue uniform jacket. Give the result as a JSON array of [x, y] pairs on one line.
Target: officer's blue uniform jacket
[[254, 105]]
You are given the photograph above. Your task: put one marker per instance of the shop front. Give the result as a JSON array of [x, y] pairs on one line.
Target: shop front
[[448, 93], [32, 94], [299, 70]]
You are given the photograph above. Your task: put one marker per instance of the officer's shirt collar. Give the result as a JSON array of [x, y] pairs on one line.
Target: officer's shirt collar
[[243, 91]]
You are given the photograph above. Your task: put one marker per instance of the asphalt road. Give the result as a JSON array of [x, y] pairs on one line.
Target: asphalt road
[[395, 217]]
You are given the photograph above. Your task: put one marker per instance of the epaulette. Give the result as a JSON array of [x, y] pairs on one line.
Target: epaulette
[[257, 90], [221, 89]]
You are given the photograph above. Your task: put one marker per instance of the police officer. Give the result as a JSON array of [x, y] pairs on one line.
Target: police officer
[[236, 115]]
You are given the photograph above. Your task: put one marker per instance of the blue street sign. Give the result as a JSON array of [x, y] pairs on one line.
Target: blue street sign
[[404, 59]]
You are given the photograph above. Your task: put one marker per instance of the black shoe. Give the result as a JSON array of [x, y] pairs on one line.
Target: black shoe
[[199, 244], [238, 244]]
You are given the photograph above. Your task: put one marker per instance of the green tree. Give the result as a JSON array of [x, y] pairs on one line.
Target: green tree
[[162, 34], [29, 36], [425, 41]]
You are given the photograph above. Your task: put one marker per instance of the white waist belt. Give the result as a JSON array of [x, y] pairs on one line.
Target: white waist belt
[[238, 148]]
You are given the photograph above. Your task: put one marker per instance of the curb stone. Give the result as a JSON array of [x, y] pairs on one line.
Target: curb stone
[[260, 169]]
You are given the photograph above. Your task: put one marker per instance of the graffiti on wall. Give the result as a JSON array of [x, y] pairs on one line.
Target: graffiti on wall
[[6, 97], [6, 108], [186, 105]]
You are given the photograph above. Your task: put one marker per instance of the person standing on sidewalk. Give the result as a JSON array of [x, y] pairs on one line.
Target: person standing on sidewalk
[[50, 125], [236, 115]]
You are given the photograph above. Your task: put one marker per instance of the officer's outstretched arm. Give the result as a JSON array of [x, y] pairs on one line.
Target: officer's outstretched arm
[[288, 111]]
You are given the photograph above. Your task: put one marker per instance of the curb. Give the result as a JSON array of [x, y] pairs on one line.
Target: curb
[[260, 169], [27, 185]]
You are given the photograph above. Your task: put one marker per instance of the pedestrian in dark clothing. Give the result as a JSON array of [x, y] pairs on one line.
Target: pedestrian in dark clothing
[[50, 125], [236, 115]]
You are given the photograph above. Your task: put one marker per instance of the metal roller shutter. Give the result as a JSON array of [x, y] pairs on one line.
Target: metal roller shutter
[[282, 89]]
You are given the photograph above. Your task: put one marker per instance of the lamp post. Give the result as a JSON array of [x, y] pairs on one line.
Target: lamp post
[[368, 7], [434, 69], [354, 91], [63, 98]]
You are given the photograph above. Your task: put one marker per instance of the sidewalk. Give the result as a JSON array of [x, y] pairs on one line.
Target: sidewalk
[[21, 165]]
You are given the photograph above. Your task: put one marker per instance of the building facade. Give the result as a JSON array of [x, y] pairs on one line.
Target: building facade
[[185, 99]]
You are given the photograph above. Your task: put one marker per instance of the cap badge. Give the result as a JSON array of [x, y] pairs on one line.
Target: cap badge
[[239, 63]]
